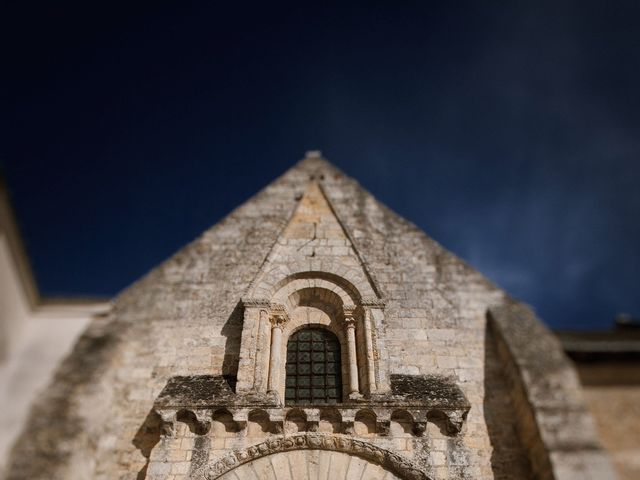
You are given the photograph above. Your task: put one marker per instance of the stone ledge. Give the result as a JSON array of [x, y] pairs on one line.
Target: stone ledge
[[423, 397]]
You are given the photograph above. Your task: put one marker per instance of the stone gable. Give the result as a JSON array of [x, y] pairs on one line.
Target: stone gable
[[186, 377]]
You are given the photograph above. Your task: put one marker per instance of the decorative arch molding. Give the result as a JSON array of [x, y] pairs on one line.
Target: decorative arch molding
[[316, 296], [351, 277], [397, 464], [346, 295], [325, 323]]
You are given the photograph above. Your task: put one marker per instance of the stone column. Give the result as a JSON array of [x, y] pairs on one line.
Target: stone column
[[277, 323], [250, 374], [350, 324], [371, 378]]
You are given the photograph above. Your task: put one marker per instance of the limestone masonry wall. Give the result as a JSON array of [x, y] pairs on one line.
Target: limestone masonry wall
[[99, 419]]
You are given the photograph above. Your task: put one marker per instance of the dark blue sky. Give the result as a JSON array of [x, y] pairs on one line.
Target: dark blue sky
[[509, 133]]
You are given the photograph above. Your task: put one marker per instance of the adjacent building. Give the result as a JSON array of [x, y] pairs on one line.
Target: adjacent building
[[35, 333]]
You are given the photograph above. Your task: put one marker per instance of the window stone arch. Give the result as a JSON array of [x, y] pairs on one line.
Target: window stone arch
[[269, 281], [306, 298]]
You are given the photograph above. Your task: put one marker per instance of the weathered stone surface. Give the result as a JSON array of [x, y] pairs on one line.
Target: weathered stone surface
[[553, 421], [197, 390], [428, 389], [384, 459], [435, 387], [310, 464], [409, 390]]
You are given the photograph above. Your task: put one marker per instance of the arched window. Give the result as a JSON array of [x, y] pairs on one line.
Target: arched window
[[313, 368]]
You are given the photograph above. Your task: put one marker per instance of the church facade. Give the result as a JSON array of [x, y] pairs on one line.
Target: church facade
[[313, 334]]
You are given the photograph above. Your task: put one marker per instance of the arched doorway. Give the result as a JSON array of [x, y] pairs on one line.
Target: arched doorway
[[311, 456], [309, 465]]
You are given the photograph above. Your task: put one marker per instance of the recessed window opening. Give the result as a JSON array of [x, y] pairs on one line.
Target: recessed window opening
[[313, 371]]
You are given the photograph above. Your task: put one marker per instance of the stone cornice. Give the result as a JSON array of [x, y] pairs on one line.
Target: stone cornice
[[256, 302], [372, 302], [425, 399]]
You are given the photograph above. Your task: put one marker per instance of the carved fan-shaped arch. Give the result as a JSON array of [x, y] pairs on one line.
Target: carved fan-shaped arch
[[300, 452], [310, 465]]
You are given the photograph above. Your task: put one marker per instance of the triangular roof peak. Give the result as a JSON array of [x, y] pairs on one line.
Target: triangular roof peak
[[316, 164], [313, 240]]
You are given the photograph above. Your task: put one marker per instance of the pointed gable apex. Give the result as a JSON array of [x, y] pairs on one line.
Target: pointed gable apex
[[313, 240], [314, 219]]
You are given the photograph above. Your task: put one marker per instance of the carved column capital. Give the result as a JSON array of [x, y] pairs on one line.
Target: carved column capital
[[349, 323], [278, 320], [349, 316], [278, 316]]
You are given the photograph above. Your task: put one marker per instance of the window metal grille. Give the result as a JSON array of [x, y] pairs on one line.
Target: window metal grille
[[313, 368]]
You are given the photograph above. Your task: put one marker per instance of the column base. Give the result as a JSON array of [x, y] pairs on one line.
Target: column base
[[355, 396], [274, 396]]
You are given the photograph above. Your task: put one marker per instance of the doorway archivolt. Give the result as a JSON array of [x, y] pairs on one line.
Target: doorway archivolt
[[310, 465], [313, 456]]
